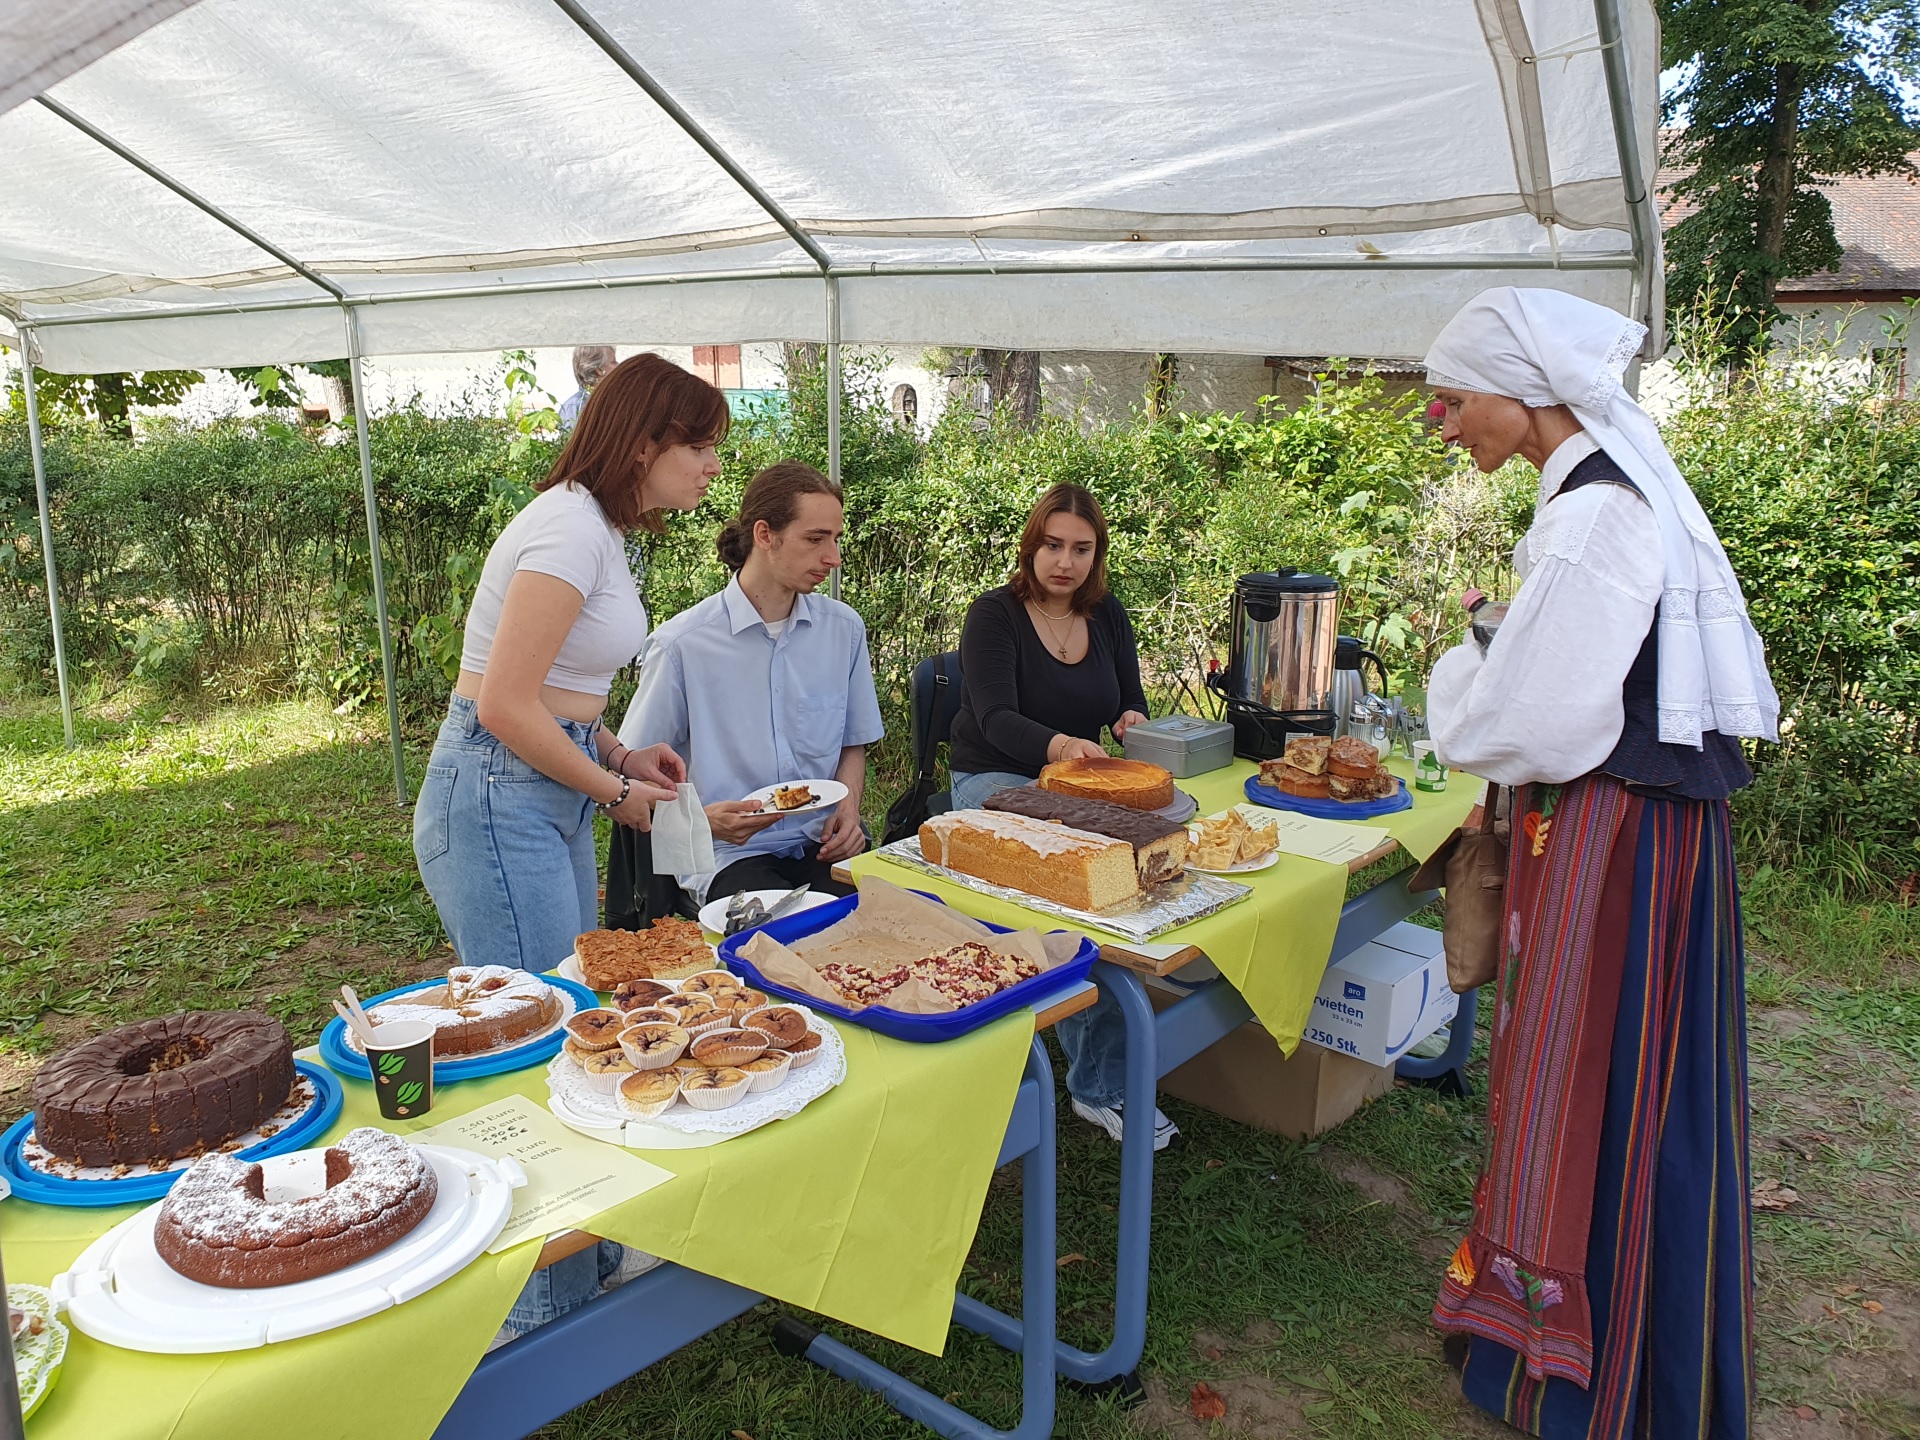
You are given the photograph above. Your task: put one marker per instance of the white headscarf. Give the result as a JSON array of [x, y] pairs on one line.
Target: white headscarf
[[1545, 347]]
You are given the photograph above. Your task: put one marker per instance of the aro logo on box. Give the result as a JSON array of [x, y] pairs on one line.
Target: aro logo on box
[[1355, 992]]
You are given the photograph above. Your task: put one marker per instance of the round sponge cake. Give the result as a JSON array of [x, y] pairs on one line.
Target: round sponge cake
[[1133, 783]]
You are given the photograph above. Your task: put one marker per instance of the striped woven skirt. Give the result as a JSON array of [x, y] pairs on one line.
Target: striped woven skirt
[[1606, 1285]]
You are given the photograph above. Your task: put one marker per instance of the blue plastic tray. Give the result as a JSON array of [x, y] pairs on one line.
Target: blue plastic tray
[[1329, 809], [897, 1023], [348, 1061], [30, 1184]]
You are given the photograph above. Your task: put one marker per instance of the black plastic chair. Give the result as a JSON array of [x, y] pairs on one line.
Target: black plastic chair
[[934, 701]]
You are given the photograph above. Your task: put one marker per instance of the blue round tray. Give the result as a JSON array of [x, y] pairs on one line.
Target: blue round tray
[[1329, 809], [348, 1061], [30, 1184]]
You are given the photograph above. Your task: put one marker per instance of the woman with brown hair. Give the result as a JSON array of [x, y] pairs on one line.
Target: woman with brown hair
[[507, 807], [1047, 662], [1048, 657]]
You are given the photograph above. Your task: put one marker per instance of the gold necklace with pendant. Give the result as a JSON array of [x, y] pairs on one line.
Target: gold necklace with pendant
[[1059, 645]]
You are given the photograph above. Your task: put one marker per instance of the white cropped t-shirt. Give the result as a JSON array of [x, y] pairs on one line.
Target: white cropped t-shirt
[[564, 533]]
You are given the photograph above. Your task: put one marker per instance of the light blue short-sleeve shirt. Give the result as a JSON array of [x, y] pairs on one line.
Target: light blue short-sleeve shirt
[[747, 708]]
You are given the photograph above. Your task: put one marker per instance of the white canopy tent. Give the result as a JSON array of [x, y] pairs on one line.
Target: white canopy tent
[[250, 183]]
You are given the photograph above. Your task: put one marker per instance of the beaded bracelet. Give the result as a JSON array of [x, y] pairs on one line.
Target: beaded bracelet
[[626, 785]]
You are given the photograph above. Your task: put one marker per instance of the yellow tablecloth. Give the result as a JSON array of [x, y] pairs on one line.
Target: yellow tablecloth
[[1273, 945], [863, 1207]]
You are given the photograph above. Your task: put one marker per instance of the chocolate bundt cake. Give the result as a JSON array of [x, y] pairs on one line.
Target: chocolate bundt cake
[[160, 1089], [217, 1225]]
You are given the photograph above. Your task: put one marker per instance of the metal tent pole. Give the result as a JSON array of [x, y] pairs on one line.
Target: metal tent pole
[[46, 530], [12, 1425], [1642, 223], [373, 553], [833, 400]]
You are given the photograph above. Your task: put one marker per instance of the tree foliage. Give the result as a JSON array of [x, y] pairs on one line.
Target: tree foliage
[[1775, 97]]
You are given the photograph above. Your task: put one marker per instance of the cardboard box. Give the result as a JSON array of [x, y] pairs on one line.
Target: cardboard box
[[1384, 998], [1245, 1078]]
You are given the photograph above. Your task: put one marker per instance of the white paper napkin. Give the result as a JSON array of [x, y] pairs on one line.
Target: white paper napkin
[[682, 839]]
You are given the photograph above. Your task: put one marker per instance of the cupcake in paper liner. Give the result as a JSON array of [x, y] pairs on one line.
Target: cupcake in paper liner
[[805, 1050], [691, 1010], [646, 1093], [727, 1046], [710, 982], [783, 1025], [606, 1069], [769, 1072], [715, 1089], [708, 1023], [654, 1045]]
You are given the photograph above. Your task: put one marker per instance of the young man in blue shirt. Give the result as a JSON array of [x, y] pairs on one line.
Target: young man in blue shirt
[[767, 683]]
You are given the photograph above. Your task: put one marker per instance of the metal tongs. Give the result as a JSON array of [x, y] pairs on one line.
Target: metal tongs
[[745, 910]]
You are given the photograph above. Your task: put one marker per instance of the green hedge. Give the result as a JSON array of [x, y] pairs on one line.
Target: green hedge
[[235, 555]]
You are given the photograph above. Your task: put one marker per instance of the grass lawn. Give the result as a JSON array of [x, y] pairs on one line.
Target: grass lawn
[[253, 856]]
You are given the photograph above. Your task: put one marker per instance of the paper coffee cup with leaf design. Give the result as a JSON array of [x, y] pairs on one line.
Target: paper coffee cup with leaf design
[[401, 1057]]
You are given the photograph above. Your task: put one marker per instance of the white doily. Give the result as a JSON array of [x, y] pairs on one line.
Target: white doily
[[800, 1089]]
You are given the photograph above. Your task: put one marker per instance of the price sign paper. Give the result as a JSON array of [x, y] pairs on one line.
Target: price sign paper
[[570, 1178]]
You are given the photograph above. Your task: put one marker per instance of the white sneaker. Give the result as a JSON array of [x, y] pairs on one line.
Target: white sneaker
[[1107, 1118], [633, 1265]]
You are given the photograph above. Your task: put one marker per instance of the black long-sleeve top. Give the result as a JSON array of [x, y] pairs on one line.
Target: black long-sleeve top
[[1018, 694]]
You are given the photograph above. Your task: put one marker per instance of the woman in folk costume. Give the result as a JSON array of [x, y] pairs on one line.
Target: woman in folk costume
[[1605, 1288]]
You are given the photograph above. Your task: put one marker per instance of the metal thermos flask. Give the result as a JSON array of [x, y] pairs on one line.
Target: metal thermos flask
[[1284, 628], [1349, 681]]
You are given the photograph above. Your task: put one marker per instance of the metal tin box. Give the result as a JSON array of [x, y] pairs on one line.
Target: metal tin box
[[1181, 744]]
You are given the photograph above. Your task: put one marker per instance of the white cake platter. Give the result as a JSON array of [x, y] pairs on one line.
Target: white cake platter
[[121, 1292], [580, 1107]]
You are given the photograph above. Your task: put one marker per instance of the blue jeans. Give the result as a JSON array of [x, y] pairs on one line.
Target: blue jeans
[[1096, 1039], [506, 853], [970, 791], [1096, 1044], [564, 1286]]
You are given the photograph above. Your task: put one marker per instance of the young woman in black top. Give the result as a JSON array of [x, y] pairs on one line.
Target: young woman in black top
[[1048, 658], [1048, 661]]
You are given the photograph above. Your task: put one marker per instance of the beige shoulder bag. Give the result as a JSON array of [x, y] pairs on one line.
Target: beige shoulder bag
[[1471, 866]]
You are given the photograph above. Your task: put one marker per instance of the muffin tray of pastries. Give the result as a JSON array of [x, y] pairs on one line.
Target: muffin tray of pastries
[[1341, 779], [709, 1057], [486, 1019]]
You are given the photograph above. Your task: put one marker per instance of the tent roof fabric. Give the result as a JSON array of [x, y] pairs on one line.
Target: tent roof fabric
[[476, 173]]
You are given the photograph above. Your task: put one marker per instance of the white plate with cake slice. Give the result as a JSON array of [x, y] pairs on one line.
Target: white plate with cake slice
[[797, 797], [121, 1292]]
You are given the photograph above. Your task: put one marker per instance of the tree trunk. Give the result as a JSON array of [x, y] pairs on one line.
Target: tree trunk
[[799, 356], [1776, 175], [1163, 376], [110, 404], [1013, 380], [339, 392]]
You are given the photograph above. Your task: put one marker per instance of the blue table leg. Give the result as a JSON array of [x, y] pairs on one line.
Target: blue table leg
[[1118, 1359], [1449, 1068], [1032, 1334]]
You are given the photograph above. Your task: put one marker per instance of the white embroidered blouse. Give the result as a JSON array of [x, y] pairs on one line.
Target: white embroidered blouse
[[1542, 703]]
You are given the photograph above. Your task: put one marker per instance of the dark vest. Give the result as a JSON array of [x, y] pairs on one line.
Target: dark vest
[[1641, 758]]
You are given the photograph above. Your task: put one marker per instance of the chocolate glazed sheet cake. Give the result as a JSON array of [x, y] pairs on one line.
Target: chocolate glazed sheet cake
[[1159, 845]]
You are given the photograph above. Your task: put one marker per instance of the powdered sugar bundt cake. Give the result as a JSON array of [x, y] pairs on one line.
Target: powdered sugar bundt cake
[[481, 1008], [217, 1225]]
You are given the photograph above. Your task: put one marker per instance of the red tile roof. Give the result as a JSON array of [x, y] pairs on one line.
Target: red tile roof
[[1876, 218]]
